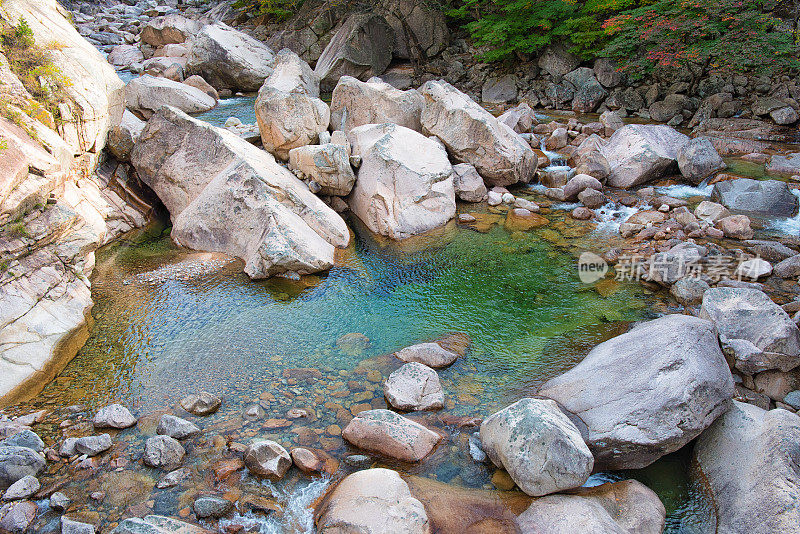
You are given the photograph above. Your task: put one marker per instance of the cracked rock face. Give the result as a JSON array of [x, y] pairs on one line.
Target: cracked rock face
[[648, 392], [472, 135], [405, 182], [225, 195], [538, 445]]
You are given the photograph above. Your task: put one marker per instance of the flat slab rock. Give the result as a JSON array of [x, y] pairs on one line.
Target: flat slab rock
[[648, 392], [430, 354], [390, 434]]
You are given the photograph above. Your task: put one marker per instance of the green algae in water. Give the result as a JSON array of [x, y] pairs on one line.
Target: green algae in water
[[162, 333], [215, 330]]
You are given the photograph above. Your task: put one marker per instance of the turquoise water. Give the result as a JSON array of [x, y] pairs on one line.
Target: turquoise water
[[169, 322], [241, 107]]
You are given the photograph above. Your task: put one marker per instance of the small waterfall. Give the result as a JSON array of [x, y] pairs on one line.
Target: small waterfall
[[298, 516], [787, 225], [687, 191], [557, 161]]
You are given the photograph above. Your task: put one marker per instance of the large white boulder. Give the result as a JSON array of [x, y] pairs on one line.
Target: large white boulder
[[147, 94], [169, 29], [624, 507], [372, 501], [538, 445], [229, 59], [226, 195], [749, 460], [472, 135], [648, 392], [405, 182], [638, 153], [757, 333], [288, 110], [356, 103]]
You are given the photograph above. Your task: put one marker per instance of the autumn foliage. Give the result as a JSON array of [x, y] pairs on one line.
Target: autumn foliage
[[644, 36]]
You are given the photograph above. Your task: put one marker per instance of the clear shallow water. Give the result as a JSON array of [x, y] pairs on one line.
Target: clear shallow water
[[168, 322], [241, 107]]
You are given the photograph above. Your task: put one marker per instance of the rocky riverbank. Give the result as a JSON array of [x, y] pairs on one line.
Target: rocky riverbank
[[715, 374]]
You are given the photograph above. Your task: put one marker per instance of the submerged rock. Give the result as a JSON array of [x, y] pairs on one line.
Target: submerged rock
[[114, 416], [624, 507], [157, 524], [175, 427], [472, 135], [758, 333], [414, 387], [355, 103], [750, 461], [538, 445], [93, 445], [209, 506], [390, 434], [226, 195], [405, 182], [70, 526], [201, 404], [648, 392], [372, 501], [430, 354]]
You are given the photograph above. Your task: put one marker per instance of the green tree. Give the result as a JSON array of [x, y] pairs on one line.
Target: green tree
[[504, 29], [705, 36]]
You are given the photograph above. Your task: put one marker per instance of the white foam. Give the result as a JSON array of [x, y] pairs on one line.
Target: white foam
[[611, 215], [787, 225], [298, 516], [686, 191]]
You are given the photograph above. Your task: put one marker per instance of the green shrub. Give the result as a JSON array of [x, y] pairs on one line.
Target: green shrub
[[643, 36]]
